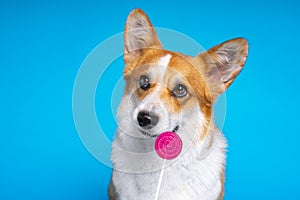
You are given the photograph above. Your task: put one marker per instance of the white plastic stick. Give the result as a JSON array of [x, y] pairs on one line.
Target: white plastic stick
[[160, 180]]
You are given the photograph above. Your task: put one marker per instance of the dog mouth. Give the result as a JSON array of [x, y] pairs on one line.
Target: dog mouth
[[148, 134]]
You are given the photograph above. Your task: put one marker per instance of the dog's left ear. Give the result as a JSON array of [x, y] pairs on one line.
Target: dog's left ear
[[224, 62], [139, 34]]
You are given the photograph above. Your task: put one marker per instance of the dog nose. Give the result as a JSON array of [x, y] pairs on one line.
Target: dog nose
[[147, 119]]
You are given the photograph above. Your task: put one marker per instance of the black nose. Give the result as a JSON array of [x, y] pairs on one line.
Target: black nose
[[147, 119]]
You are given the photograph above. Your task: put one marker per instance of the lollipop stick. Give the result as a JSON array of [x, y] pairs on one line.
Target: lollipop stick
[[160, 180]]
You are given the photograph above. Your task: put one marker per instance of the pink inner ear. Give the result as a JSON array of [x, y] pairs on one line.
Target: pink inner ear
[[227, 60], [139, 34]]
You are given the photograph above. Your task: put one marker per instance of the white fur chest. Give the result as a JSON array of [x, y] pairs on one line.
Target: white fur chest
[[189, 177]]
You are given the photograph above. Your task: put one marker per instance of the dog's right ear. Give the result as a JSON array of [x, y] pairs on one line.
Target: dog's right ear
[[139, 34]]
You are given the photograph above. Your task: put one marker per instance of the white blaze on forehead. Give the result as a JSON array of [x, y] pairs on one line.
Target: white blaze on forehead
[[163, 65], [153, 100]]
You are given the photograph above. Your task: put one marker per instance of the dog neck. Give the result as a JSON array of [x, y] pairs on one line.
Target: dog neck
[[127, 148], [199, 170]]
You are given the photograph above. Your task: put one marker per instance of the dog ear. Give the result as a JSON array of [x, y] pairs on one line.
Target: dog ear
[[139, 34], [224, 62]]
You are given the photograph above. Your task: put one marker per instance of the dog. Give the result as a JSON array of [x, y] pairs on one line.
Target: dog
[[170, 91]]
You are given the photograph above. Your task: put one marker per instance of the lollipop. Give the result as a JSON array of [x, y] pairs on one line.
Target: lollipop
[[168, 145]]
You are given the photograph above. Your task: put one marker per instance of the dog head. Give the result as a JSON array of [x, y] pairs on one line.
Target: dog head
[[166, 89]]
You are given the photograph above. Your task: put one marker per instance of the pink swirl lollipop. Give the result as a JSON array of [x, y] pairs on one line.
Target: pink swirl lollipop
[[168, 145]]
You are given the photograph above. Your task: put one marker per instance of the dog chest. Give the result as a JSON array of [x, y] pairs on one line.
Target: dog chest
[[178, 182]]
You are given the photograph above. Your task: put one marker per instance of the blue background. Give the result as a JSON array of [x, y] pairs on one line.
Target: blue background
[[43, 43]]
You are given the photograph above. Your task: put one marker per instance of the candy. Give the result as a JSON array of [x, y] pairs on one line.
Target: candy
[[168, 145]]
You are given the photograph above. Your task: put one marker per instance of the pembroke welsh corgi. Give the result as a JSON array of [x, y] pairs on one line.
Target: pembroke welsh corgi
[[169, 97]]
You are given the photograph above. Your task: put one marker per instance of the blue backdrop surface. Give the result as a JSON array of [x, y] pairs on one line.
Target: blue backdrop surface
[[42, 46]]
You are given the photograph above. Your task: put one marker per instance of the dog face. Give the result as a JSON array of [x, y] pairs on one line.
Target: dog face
[[165, 89]]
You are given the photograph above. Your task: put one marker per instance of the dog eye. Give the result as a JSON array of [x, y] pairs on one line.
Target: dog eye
[[179, 91], [144, 82]]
